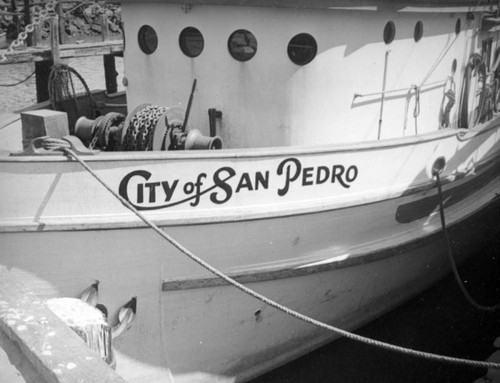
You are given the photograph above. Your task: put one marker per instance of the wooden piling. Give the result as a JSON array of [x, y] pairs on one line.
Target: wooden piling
[[42, 71], [27, 20], [42, 68], [60, 24], [110, 73], [104, 27], [87, 322], [36, 38], [15, 19], [54, 39], [54, 350]]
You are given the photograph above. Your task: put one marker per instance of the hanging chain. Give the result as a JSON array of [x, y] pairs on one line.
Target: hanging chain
[[48, 9]]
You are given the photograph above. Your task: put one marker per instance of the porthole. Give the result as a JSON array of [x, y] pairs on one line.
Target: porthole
[[302, 49], [191, 42], [453, 67], [148, 39], [389, 32], [458, 26], [242, 45], [418, 32]]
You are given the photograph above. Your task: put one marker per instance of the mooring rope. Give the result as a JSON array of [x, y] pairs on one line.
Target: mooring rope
[[19, 82], [270, 302], [453, 264]]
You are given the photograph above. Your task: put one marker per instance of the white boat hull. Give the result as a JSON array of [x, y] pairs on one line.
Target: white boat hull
[[343, 265], [216, 332], [325, 201]]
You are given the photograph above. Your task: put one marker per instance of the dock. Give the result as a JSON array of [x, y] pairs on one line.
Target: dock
[[51, 51], [43, 53], [492, 376], [41, 345]]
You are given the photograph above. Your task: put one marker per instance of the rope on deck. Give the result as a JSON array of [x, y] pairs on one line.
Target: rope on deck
[[270, 302]]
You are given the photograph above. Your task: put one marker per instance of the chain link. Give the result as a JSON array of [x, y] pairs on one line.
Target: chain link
[[139, 133], [48, 9]]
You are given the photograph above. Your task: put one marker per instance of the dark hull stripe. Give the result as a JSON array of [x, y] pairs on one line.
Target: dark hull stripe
[[488, 217]]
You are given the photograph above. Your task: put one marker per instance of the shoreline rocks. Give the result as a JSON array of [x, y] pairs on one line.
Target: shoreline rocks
[[80, 20]]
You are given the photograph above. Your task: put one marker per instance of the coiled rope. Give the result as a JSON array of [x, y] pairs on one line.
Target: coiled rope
[[270, 302], [453, 264]]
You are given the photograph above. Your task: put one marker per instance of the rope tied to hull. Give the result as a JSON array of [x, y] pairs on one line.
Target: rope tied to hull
[[268, 301], [449, 252]]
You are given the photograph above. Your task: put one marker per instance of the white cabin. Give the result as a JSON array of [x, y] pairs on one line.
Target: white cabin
[[304, 75]]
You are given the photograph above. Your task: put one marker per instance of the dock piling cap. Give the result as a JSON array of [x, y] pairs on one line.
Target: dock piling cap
[[86, 321], [75, 312]]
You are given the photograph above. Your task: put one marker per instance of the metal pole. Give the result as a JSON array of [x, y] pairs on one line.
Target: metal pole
[[383, 95], [188, 109]]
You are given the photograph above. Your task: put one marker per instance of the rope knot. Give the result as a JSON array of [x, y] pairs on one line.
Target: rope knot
[[50, 143]]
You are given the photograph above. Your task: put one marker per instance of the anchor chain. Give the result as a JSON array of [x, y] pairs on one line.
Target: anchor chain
[[49, 8], [139, 134]]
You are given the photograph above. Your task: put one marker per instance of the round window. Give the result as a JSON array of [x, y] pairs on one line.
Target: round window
[[191, 42], [389, 32], [148, 39], [458, 26], [242, 45], [419, 31], [454, 66], [302, 49]]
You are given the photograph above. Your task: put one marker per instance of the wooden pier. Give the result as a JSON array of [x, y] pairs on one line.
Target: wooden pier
[[56, 49], [42, 342]]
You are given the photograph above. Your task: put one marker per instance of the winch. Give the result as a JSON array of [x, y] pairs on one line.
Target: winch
[[147, 127]]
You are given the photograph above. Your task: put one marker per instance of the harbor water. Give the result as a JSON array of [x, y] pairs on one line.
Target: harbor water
[[438, 321], [17, 97]]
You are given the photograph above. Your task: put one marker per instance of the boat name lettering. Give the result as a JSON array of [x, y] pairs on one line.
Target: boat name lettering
[[314, 175], [146, 194]]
